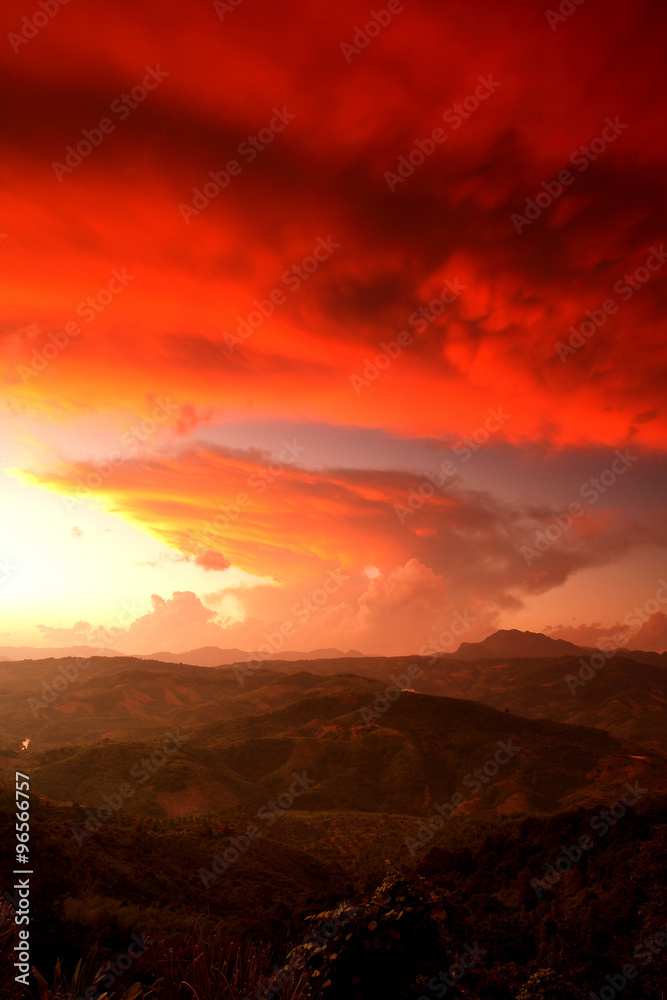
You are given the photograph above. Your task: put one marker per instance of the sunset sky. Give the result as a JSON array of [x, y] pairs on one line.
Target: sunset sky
[[198, 446]]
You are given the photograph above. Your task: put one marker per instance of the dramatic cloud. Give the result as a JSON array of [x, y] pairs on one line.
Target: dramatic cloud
[[438, 548], [179, 622], [645, 632], [219, 225], [322, 181]]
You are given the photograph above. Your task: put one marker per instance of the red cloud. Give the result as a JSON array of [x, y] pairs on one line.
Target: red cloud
[[324, 176], [212, 561], [113, 301]]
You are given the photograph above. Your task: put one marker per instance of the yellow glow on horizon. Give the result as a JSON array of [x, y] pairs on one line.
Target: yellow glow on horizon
[[61, 563]]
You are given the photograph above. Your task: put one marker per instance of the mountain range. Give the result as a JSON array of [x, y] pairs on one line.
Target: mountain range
[[504, 642], [204, 656], [387, 734], [471, 771]]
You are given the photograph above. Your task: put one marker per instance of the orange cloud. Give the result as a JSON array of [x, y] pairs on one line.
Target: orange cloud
[[274, 517], [314, 288]]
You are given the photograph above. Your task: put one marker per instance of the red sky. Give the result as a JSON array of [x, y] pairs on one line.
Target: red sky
[[317, 228]]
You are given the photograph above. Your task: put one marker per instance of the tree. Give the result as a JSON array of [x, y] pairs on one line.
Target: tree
[[382, 947]]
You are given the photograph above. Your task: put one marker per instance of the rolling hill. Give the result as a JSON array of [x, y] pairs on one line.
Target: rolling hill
[[143, 773], [127, 699], [420, 751], [52, 701]]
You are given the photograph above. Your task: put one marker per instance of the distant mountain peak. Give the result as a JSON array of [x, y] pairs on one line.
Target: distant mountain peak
[[514, 642], [215, 656]]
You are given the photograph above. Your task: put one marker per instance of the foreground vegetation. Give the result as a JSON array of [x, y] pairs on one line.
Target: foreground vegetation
[[282, 922]]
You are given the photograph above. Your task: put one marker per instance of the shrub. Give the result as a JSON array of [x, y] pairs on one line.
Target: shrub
[[381, 948], [545, 984]]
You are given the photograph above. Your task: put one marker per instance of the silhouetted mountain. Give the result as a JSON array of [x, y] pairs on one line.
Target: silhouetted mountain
[[204, 656], [214, 656], [642, 656], [15, 653], [512, 642], [505, 642]]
